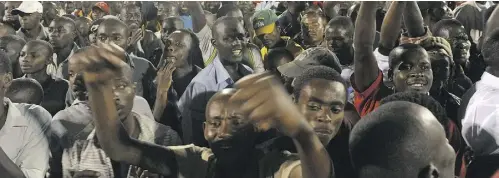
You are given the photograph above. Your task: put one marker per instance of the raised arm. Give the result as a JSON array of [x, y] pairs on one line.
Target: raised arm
[[390, 29], [366, 67], [197, 15], [112, 137], [268, 104], [413, 19]]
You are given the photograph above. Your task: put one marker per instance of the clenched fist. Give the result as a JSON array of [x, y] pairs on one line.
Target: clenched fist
[[269, 105]]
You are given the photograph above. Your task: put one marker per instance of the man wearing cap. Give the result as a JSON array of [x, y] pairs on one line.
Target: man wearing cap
[[311, 57], [264, 23], [99, 10], [30, 15]]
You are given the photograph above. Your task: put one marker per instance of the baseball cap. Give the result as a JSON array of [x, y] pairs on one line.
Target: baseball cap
[[102, 6], [264, 21], [310, 58], [28, 7]]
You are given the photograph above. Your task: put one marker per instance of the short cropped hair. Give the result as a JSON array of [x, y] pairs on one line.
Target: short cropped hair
[[342, 21], [316, 72], [424, 100], [5, 64], [33, 91], [274, 55]]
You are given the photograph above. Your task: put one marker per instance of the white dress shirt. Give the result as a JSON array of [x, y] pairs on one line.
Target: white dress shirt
[[481, 120], [23, 140]]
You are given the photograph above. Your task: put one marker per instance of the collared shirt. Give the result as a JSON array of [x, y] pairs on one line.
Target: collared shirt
[[86, 154], [193, 102], [43, 35], [61, 70], [144, 74], [23, 138], [480, 122]]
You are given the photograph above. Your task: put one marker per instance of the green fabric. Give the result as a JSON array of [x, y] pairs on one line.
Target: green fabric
[[263, 18]]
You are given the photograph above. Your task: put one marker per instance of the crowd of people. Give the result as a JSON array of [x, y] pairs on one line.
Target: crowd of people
[[244, 89]]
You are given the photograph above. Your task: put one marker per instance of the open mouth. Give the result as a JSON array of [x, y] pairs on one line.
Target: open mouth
[[417, 84], [236, 52], [323, 131], [171, 59]]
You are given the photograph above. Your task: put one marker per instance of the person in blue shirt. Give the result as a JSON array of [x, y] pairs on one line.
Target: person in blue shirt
[[223, 72]]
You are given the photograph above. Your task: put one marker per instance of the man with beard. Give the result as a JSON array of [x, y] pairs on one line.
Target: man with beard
[[339, 39], [112, 30], [62, 33], [409, 66], [150, 46], [49, 13], [223, 72], [289, 20], [33, 59], [9, 18], [30, 15], [13, 45], [228, 129], [265, 24], [414, 146], [312, 23]]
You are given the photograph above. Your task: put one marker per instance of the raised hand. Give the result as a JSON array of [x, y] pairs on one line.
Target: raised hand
[[164, 79], [100, 63], [269, 105]]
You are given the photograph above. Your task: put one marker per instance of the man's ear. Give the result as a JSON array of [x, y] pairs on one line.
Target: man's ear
[[429, 171]]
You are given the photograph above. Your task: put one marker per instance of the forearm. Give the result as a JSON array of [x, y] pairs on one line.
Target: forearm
[[9, 168], [159, 106], [197, 15], [366, 67], [116, 142], [390, 29], [112, 137], [315, 162], [413, 20]]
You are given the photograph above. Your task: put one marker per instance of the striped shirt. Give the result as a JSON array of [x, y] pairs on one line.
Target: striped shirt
[[86, 154]]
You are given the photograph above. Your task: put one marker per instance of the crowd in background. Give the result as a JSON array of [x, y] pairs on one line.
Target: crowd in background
[[246, 89]]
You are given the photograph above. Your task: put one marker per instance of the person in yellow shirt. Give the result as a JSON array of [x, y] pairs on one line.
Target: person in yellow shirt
[[266, 30]]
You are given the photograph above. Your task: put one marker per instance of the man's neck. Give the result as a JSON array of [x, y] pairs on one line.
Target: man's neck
[[131, 126], [40, 76], [183, 71], [63, 54], [33, 33], [345, 56]]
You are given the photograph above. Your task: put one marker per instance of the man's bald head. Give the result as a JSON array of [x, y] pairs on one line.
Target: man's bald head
[[400, 139], [222, 96]]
